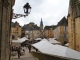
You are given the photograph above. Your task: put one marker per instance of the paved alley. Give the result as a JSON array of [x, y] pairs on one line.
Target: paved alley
[[26, 56]]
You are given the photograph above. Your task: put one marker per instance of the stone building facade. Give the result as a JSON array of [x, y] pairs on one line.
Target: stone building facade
[[16, 30], [32, 31], [61, 31], [49, 31], [74, 24], [5, 21]]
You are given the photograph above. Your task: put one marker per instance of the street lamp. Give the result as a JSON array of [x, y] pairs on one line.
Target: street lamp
[[27, 10]]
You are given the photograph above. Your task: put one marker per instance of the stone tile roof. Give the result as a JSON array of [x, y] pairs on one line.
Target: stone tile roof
[[29, 28], [48, 27], [15, 24], [63, 22]]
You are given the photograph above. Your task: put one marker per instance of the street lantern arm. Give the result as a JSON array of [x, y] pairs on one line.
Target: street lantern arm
[[27, 9], [15, 16]]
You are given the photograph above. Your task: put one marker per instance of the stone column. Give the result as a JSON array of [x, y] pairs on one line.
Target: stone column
[[5, 18], [4, 48]]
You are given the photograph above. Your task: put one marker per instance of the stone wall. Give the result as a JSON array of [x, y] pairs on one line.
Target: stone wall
[[5, 19], [73, 24]]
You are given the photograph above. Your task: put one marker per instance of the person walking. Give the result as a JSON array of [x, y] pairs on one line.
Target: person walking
[[29, 47], [19, 52]]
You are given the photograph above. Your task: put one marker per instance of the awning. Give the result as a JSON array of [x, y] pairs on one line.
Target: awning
[[20, 40], [38, 39], [53, 41], [45, 47]]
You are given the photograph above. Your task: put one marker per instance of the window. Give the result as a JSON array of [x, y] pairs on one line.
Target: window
[[65, 35], [17, 33], [58, 29], [17, 28], [65, 28]]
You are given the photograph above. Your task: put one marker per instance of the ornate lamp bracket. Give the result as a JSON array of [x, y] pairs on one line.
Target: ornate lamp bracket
[[15, 16]]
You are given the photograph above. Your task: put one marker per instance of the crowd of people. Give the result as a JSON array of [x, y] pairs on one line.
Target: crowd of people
[[18, 50], [21, 49]]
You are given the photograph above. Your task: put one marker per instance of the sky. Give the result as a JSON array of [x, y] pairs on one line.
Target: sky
[[51, 11]]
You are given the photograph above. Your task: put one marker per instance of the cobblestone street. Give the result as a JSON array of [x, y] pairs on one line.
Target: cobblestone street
[[27, 56]]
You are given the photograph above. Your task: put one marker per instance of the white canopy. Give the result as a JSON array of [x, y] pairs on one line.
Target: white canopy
[[53, 38], [45, 47], [53, 41], [38, 38], [67, 44], [25, 38], [20, 40]]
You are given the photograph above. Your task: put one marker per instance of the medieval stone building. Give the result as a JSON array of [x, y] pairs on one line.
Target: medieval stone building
[[5, 21], [49, 31], [16, 30], [61, 31], [32, 31], [74, 24]]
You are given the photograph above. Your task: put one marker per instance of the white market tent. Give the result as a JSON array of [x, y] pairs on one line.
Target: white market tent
[[38, 39], [67, 44], [53, 38], [45, 47], [53, 41], [19, 41]]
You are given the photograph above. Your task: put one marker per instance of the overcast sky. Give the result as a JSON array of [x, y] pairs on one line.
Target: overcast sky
[[51, 11]]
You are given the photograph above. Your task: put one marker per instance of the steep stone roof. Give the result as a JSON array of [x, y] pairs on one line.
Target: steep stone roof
[[48, 27], [15, 24], [63, 22], [29, 28]]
